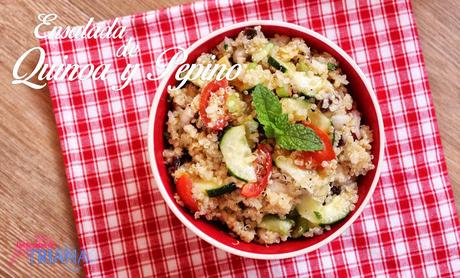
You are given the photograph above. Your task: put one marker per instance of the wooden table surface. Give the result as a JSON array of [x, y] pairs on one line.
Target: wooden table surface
[[34, 198]]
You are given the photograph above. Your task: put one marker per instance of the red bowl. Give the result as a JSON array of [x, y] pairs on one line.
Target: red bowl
[[363, 95]]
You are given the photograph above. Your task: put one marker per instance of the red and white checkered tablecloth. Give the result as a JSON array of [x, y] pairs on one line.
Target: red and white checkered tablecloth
[[410, 228]]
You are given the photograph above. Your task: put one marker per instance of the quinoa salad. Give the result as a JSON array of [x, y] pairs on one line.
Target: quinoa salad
[[273, 154]]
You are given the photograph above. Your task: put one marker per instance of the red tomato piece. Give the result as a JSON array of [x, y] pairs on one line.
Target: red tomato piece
[[209, 89], [263, 165], [184, 190]]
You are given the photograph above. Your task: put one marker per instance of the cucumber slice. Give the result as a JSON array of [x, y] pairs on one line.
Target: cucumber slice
[[302, 66], [303, 177], [237, 154], [224, 189], [306, 84], [275, 224], [320, 120], [287, 165], [276, 64], [262, 53], [234, 103], [302, 226], [310, 209], [335, 210], [283, 91], [297, 109], [213, 189]]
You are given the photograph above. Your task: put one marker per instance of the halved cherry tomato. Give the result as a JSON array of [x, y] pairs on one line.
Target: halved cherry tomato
[[208, 90], [314, 158], [184, 190], [263, 165]]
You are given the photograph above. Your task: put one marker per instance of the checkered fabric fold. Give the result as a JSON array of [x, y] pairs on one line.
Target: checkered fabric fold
[[410, 227]]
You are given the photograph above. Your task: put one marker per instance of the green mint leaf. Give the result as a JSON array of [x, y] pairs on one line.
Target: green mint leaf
[[281, 122], [300, 138], [331, 66], [269, 112], [267, 105], [269, 131], [225, 46], [276, 125]]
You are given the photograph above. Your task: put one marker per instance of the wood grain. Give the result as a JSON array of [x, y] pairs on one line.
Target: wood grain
[[34, 197], [439, 29]]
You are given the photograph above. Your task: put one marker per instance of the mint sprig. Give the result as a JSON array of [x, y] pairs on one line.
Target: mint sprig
[[299, 137], [267, 105], [276, 125]]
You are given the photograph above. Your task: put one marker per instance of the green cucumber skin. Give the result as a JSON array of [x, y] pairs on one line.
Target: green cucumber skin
[[313, 209], [228, 188], [274, 63], [275, 224], [225, 142], [236, 176], [327, 219], [302, 226]]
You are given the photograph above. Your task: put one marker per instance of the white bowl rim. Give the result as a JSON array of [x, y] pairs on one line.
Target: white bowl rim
[[204, 236]]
